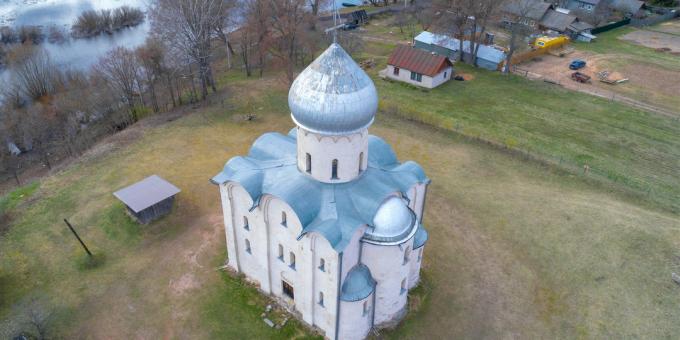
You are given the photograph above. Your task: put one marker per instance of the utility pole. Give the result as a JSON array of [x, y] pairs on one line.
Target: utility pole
[[78, 237]]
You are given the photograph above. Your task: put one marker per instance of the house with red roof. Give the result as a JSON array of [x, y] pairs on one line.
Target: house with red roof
[[418, 67]]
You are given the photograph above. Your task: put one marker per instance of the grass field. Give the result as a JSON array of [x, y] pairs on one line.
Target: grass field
[[629, 148], [516, 250]]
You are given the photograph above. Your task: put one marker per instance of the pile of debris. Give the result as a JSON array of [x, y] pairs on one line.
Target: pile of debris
[[366, 64], [611, 78], [268, 319]]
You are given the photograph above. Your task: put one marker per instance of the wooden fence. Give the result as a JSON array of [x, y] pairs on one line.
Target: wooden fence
[[522, 57]]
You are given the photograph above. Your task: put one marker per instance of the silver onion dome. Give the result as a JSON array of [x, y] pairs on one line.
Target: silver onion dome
[[393, 222], [333, 95]]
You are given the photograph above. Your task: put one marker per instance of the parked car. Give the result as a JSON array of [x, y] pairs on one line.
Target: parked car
[[580, 77], [577, 64]]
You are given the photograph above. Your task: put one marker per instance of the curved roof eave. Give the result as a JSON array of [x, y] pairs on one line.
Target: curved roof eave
[[358, 284]]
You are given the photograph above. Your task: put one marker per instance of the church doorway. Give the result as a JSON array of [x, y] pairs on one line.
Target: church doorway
[[288, 290]]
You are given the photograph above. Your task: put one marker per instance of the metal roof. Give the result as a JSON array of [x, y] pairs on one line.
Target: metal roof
[[557, 21], [627, 6], [580, 26], [334, 210], [146, 193], [485, 52], [420, 238], [417, 60], [358, 284], [537, 8], [333, 95], [393, 222]]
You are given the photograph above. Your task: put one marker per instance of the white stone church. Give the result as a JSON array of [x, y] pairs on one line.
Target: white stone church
[[326, 219]]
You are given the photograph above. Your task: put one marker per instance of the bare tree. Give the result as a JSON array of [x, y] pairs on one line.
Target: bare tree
[[424, 12], [120, 70], [482, 13], [288, 18], [453, 20], [189, 25], [150, 58], [517, 27], [32, 73]]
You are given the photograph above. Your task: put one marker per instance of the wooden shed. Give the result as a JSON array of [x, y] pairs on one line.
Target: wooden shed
[[148, 199]]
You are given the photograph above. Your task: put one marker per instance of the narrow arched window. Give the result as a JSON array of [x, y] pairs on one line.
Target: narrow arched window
[[407, 253], [309, 163], [284, 219], [365, 308], [246, 226], [292, 260], [403, 286], [322, 265], [248, 246], [280, 253], [321, 299], [334, 170], [361, 162]]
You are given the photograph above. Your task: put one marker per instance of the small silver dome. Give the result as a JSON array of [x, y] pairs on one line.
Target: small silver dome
[[392, 222], [333, 95]]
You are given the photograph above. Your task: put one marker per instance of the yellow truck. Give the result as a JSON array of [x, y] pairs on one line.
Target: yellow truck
[[550, 42]]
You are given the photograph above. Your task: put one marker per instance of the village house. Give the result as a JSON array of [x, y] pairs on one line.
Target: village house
[[531, 16], [325, 219], [562, 21], [584, 5], [488, 56], [418, 67]]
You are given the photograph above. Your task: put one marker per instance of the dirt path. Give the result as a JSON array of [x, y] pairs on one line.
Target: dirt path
[[554, 70]]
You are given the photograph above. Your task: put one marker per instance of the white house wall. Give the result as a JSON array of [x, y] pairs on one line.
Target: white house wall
[[427, 81], [442, 77]]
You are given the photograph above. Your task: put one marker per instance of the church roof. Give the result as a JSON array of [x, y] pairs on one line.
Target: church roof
[[420, 238], [358, 284], [334, 210], [333, 95]]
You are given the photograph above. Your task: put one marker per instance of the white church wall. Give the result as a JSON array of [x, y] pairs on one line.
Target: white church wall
[[356, 318], [252, 262], [415, 263], [325, 281], [228, 226], [352, 252], [416, 196], [350, 151], [389, 270]]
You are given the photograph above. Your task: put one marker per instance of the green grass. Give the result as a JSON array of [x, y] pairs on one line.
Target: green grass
[[516, 249], [10, 200], [632, 149], [609, 43]]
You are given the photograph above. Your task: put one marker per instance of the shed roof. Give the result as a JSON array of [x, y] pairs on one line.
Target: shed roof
[[557, 21], [417, 60], [485, 52], [592, 2], [536, 8], [580, 26], [146, 193]]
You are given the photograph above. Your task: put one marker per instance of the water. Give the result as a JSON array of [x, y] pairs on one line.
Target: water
[[74, 53], [77, 53]]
